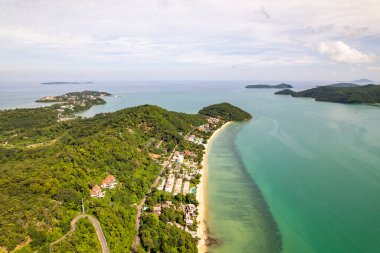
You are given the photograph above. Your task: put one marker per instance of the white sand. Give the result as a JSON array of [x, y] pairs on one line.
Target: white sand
[[201, 195]]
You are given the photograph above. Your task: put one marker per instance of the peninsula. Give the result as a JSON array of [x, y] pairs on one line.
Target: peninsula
[[73, 102], [266, 86], [104, 167], [343, 85], [356, 94]]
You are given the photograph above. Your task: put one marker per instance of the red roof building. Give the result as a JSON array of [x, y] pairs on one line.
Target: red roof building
[[109, 182], [96, 192]]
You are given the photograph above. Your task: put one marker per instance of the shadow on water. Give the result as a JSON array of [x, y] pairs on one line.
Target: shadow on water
[[239, 217]]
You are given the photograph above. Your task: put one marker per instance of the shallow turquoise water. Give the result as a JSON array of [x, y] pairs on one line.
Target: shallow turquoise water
[[317, 165]]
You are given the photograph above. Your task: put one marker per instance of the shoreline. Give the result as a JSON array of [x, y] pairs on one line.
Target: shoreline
[[201, 193]]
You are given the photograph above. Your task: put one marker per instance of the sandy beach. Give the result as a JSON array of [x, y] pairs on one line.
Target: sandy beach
[[201, 195]]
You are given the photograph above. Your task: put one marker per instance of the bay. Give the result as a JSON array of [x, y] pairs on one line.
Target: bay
[[316, 165]]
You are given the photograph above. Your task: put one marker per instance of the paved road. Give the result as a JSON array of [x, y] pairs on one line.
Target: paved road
[[98, 230], [142, 203]]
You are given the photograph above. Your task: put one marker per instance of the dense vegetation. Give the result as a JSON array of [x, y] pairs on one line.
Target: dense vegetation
[[83, 240], [42, 185], [361, 94], [266, 86], [343, 85], [159, 236], [225, 111]]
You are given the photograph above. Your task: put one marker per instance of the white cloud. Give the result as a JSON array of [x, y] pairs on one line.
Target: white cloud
[[341, 52], [185, 33], [374, 68]]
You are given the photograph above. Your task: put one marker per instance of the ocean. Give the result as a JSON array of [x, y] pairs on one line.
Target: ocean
[[302, 176]]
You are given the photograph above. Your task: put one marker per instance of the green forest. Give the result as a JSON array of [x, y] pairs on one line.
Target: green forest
[[358, 94], [48, 167], [226, 112]]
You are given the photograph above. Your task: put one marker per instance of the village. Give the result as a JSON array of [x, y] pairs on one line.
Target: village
[[178, 181], [74, 102], [181, 178]]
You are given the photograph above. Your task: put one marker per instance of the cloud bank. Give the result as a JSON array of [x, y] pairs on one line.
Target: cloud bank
[[197, 39]]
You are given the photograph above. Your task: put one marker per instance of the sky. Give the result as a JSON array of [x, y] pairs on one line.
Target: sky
[[88, 40]]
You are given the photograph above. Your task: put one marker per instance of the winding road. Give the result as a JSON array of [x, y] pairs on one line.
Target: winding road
[[98, 230]]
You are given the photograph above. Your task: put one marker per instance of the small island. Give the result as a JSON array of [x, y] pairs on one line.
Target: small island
[[266, 86], [59, 83], [358, 94], [363, 80]]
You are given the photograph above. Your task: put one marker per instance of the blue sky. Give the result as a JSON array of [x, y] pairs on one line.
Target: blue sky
[[189, 39]]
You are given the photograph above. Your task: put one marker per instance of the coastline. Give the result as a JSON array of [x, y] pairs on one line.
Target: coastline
[[201, 193]]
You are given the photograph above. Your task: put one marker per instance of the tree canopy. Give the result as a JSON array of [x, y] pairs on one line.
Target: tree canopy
[[355, 94], [226, 112]]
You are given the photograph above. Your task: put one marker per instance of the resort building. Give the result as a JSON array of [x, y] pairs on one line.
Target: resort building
[[178, 186], [186, 186], [157, 209], [213, 121], [204, 128], [109, 182], [96, 192], [189, 153], [170, 183], [180, 159]]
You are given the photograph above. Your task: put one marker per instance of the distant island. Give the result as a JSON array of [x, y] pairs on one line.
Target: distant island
[[49, 83], [266, 86], [363, 80], [358, 94]]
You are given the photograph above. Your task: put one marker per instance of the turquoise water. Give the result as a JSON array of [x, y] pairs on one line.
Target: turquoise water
[[238, 216], [316, 165]]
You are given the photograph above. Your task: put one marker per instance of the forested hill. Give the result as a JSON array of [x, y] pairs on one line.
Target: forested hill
[[48, 167], [360, 94], [225, 111]]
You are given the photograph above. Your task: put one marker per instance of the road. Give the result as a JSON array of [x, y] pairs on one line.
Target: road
[[142, 203], [98, 230]]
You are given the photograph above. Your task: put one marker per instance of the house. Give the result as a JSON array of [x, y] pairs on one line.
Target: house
[[191, 138], [213, 120], [178, 185], [180, 159], [170, 183], [189, 222], [189, 153], [96, 192], [157, 209], [204, 128], [190, 209], [109, 182], [186, 187]]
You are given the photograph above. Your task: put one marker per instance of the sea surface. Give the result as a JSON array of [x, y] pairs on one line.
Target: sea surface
[[302, 176]]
